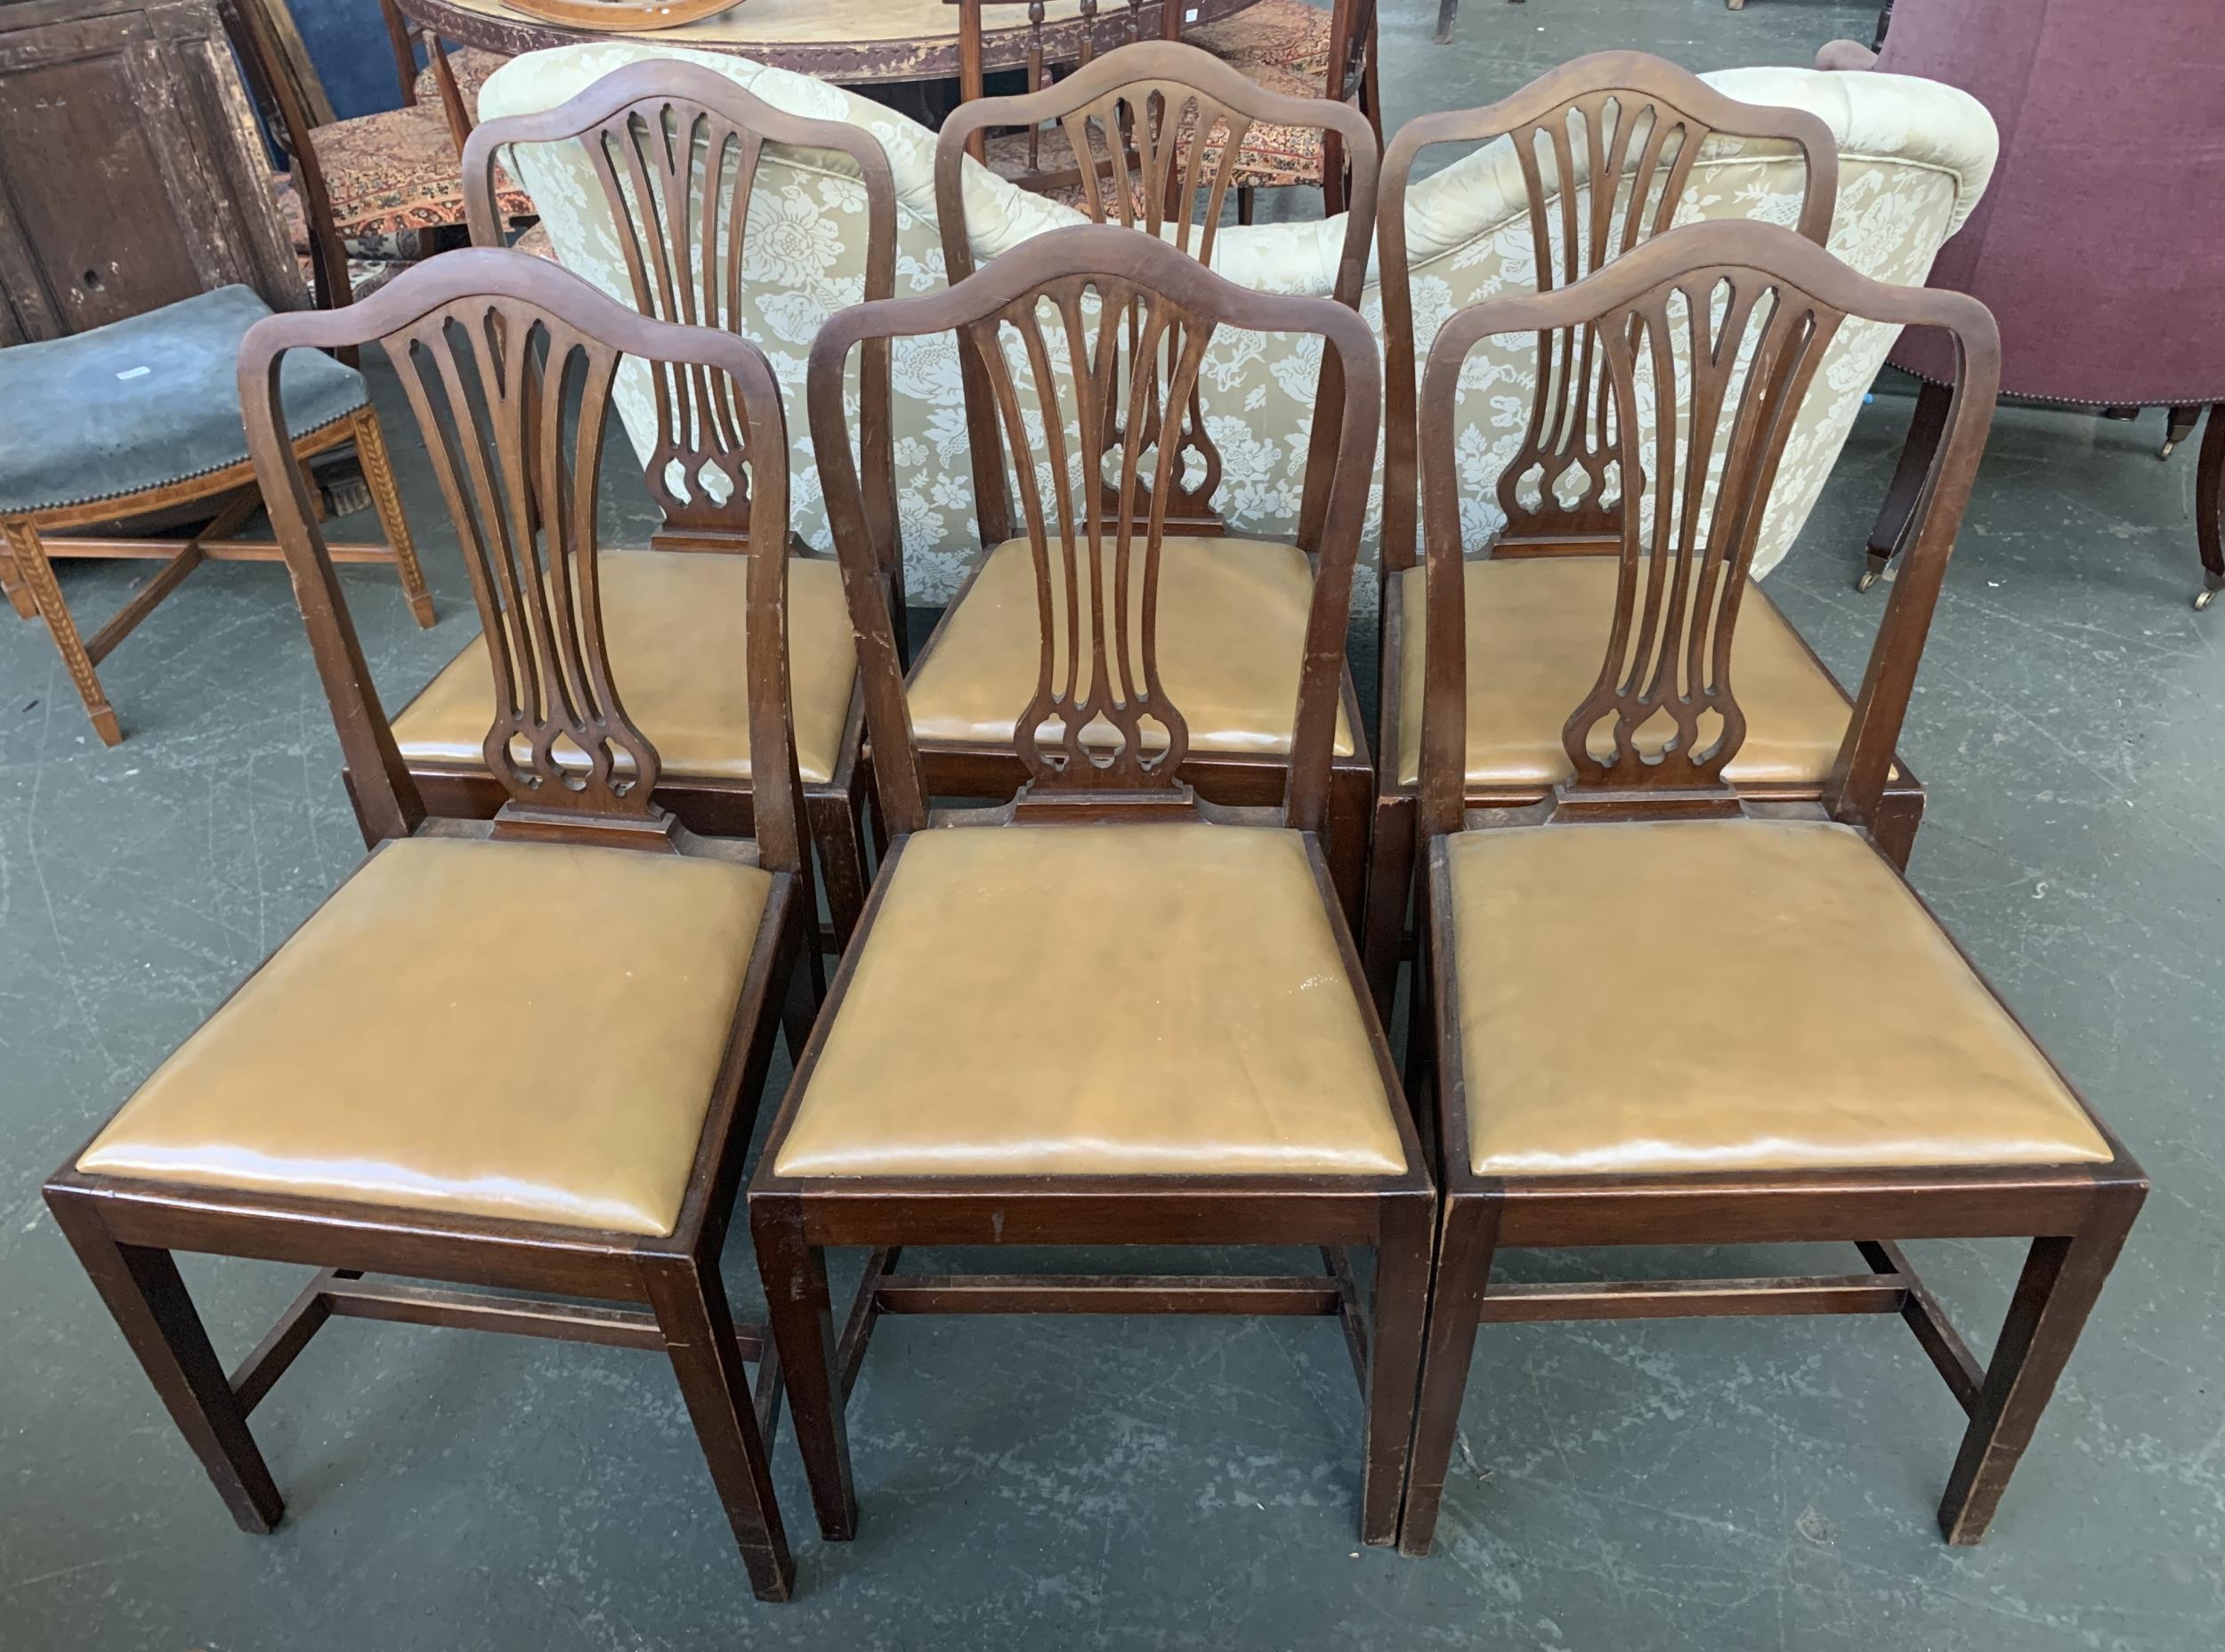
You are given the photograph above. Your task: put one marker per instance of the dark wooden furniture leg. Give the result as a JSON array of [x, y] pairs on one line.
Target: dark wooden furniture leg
[[1389, 896], [2209, 506], [1392, 1368], [143, 1291], [1925, 428], [2183, 419], [690, 1302], [2062, 1276], [837, 832], [1467, 1238], [802, 1317]]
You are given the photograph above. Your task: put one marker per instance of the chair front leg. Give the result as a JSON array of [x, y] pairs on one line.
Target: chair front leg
[[1398, 1313], [690, 1301], [36, 571], [1469, 1235], [2061, 1279], [18, 593], [142, 1290], [795, 1274]]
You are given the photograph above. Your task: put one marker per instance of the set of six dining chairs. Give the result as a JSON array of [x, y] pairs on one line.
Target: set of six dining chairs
[[1100, 979]]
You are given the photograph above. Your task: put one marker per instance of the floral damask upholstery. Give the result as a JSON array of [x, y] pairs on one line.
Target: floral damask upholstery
[[1914, 157]]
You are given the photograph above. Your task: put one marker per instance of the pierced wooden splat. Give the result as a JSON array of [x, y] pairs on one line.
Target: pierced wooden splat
[[1605, 145], [1725, 357], [676, 149], [511, 405]]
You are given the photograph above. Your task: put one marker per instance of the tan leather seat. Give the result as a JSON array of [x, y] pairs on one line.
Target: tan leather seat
[[676, 622], [1231, 633], [1098, 1000], [1729, 995], [1537, 631], [524, 1031]]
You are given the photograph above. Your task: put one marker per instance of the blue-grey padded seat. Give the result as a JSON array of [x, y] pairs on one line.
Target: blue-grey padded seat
[[142, 403]]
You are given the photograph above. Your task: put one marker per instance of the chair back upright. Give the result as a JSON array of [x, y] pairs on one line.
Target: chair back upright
[[675, 148], [1605, 145], [507, 363], [1090, 340], [1707, 339]]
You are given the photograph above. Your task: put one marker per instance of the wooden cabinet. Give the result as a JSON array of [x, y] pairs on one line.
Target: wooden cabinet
[[131, 171]]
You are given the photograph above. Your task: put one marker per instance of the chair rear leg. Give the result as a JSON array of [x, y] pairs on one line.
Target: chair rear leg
[[1398, 1313], [803, 1326], [37, 572], [1456, 1306], [142, 1290], [690, 1301], [378, 475], [2061, 1279], [1389, 897], [1926, 427], [836, 832]]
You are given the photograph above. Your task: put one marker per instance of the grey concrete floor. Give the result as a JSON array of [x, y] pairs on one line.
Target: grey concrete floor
[[1141, 1483]]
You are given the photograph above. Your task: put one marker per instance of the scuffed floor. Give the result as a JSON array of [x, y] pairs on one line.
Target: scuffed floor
[[1084, 1484]]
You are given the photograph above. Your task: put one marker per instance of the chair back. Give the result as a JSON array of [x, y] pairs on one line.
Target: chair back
[[675, 148], [404, 35], [1605, 145], [1153, 125], [1099, 334], [1707, 339], [507, 364]]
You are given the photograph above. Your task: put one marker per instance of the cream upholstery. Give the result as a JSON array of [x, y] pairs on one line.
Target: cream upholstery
[[1537, 631], [1729, 995], [525, 1030], [1150, 1000], [1914, 157], [1231, 634], [677, 627]]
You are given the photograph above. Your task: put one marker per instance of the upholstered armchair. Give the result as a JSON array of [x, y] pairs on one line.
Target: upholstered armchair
[[1914, 159], [2100, 245]]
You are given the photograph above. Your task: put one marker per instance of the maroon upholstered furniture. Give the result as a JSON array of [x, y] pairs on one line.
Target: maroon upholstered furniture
[[2099, 243]]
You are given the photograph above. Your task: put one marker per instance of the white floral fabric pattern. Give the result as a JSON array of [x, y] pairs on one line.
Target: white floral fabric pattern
[[1914, 157]]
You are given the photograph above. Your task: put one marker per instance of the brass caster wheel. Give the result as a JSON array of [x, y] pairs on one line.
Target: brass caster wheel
[[2210, 585], [2170, 442], [1872, 574]]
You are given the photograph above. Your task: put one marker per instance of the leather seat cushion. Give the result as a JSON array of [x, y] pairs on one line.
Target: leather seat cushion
[[1657, 997], [676, 622], [1231, 634], [523, 1030], [1537, 631], [1147, 999]]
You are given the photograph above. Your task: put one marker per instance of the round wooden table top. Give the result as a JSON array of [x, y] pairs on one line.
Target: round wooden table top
[[848, 42]]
